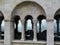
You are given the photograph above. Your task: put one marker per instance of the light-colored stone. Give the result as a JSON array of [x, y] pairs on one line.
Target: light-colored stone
[[23, 31], [35, 31], [10, 8], [50, 32]]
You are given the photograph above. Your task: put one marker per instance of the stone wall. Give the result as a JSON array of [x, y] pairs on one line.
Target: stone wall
[[1, 42], [48, 7]]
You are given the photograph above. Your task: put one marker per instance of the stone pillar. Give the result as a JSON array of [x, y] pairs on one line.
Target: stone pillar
[[23, 31], [50, 32], [0, 30], [35, 30], [8, 32]]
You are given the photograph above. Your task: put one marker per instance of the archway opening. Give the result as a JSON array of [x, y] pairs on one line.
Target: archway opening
[[28, 8], [17, 27], [29, 27], [1, 26], [57, 26], [41, 27]]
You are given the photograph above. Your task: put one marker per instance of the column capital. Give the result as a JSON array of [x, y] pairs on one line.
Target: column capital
[[48, 20], [35, 22], [8, 20]]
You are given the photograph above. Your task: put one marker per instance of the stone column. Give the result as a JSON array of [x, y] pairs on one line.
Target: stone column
[[23, 31], [35, 30], [8, 32], [50, 32], [0, 30]]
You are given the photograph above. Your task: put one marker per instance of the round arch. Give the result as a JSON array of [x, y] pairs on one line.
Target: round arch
[[56, 12], [57, 25], [41, 28], [1, 25], [28, 8], [1, 14], [42, 11], [41, 17], [28, 25], [28, 17]]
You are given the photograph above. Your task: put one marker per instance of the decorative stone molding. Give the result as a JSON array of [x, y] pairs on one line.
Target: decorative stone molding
[[8, 21], [48, 20]]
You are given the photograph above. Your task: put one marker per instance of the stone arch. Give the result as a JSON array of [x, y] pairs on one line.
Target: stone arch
[[57, 12], [1, 27], [28, 17], [41, 27], [28, 8], [28, 31], [17, 34], [30, 4], [57, 25], [41, 17], [1, 14]]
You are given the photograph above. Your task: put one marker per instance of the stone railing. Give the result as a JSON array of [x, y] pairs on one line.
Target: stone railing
[[1, 42]]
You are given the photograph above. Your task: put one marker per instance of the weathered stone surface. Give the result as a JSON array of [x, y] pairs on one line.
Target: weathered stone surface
[[10, 8]]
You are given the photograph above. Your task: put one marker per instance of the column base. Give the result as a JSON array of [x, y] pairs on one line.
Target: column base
[[34, 39], [22, 39]]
